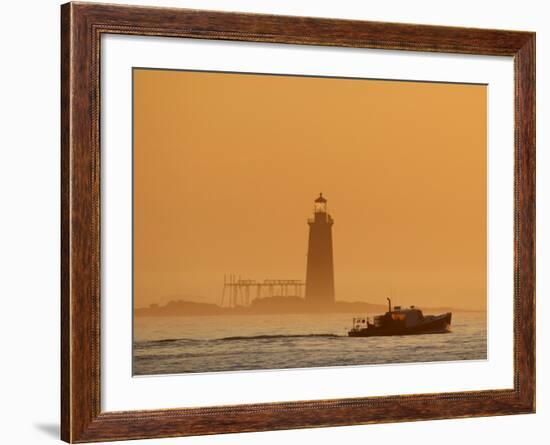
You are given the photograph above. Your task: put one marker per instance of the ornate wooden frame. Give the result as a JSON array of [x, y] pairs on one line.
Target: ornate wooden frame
[[82, 25]]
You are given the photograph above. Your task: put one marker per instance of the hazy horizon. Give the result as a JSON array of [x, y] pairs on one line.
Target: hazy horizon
[[226, 168], [395, 302]]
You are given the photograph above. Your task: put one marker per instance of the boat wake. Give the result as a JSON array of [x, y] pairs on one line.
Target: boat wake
[[268, 337], [170, 341]]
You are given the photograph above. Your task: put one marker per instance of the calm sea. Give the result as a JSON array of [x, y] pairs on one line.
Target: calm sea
[[173, 345]]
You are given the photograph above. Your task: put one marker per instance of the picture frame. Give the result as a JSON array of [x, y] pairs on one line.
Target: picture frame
[[82, 26]]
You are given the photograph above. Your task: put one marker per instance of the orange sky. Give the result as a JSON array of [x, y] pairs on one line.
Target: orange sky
[[226, 168]]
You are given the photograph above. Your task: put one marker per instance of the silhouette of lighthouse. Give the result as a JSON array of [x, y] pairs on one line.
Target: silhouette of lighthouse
[[320, 267]]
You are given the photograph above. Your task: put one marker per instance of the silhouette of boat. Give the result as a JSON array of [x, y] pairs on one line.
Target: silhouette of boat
[[409, 321]]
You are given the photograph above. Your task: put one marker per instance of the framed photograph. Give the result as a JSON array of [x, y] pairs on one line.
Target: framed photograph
[[274, 222]]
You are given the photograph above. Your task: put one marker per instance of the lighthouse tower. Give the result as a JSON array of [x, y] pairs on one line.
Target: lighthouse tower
[[320, 267]]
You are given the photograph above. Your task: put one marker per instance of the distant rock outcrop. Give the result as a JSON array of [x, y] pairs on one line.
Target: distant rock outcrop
[[268, 305]]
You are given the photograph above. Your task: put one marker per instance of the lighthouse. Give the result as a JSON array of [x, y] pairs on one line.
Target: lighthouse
[[320, 266]]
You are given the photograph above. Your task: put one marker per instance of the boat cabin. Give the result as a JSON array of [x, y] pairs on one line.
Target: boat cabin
[[407, 317], [361, 323]]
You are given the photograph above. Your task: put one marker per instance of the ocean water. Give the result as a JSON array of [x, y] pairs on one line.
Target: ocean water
[[175, 345]]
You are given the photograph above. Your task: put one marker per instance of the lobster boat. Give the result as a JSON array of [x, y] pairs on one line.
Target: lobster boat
[[400, 321]]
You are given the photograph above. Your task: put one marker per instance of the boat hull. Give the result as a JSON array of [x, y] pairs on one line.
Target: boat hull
[[434, 325]]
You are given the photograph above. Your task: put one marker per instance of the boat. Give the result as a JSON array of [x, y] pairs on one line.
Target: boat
[[400, 321]]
